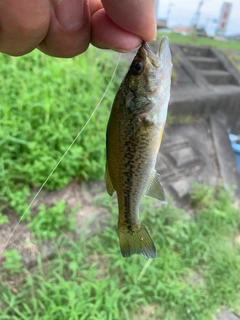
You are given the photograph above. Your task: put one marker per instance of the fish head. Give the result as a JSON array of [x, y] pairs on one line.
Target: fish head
[[149, 78]]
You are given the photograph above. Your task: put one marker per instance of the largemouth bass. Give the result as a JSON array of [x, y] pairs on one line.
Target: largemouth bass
[[134, 135]]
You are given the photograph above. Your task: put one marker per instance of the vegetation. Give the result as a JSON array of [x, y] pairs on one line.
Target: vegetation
[[197, 270], [44, 103], [47, 223], [234, 58], [201, 41]]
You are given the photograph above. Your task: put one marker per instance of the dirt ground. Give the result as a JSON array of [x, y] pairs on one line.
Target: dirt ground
[[89, 215]]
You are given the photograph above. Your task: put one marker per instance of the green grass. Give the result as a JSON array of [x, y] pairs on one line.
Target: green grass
[[197, 270], [48, 221], [44, 103], [201, 41], [234, 58]]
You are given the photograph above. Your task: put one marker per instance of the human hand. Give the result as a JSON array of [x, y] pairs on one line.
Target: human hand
[[64, 28]]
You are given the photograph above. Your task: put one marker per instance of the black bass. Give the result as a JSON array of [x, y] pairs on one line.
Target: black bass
[[134, 135]]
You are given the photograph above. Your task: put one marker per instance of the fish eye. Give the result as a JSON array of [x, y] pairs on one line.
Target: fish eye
[[137, 67]]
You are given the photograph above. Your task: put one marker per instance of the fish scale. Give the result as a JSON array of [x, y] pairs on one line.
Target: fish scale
[[134, 134]]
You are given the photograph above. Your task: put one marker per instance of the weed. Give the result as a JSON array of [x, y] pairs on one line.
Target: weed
[[174, 76], [234, 57], [42, 108], [196, 272], [3, 219], [44, 103], [201, 41], [48, 221], [181, 119], [12, 264], [201, 195], [18, 201]]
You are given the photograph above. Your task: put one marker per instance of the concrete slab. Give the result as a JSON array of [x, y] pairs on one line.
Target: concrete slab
[[200, 103], [206, 63], [225, 155], [186, 156], [227, 315], [227, 64], [188, 67], [215, 84], [218, 77]]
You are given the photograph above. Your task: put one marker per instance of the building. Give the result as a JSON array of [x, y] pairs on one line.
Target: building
[[161, 24]]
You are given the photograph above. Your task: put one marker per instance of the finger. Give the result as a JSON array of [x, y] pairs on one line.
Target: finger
[[106, 34], [95, 5], [23, 24], [69, 30], [135, 16]]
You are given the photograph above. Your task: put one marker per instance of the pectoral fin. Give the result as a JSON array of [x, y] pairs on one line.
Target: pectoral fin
[[154, 188], [108, 182]]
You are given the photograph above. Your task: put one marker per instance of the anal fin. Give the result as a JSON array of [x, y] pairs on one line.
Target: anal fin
[[154, 188]]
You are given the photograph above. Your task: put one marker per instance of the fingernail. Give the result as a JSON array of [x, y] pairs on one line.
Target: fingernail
[[70, 13], [130, 49], [126, 51]]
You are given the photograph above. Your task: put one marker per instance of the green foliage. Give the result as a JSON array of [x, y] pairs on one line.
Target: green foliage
[[201, 195], [197, 270], [181, 119], [47, 223], [3, 219], [44, 103], [234, 57], [18, 202], [12, 264], [201, 41]]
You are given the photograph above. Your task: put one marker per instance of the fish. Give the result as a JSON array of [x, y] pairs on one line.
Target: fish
[[133, 138]]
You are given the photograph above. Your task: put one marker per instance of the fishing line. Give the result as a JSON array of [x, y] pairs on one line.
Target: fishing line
[[60, 160]]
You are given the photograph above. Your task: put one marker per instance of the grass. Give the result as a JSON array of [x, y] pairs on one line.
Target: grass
[[201, 41], [197, 270], [234, 58], [44, 103]]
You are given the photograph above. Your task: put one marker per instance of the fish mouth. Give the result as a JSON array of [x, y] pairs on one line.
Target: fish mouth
[[164, 53], [144, 50], [164, 46]]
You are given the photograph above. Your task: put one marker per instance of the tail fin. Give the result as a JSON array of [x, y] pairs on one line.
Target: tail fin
[[137, 241]]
